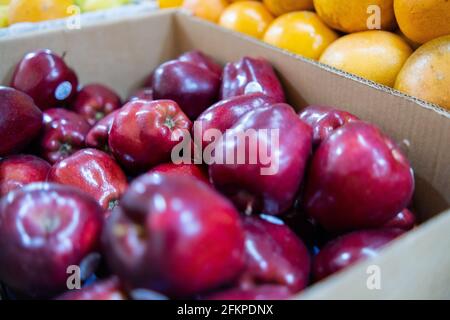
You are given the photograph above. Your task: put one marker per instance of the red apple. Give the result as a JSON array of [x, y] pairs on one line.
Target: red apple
[[193, 87], [359, 178], [201, 60], [145, 93], [98, 136], [405, 220], [144, 132], [349, 249], [94, 172], [109, 289], [20, 170], [275, 255], [44, 229], [174, 235], [250, 75], [46, 78], [178, 170], [95, 101], [263, 292], [325, 120], [20, 120], [224, 114], [263, 185], [64, 134]]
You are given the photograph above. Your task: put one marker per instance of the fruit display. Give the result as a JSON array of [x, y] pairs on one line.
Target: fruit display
[[401, 44], [204, 184]]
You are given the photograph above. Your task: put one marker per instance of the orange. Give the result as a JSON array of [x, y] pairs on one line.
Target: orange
[[375, 55], [38, 10], [423, 20], [426, 74], [164, 4], [300, 32], [206, 9], [279, 7], [354, 15], [249, 17]]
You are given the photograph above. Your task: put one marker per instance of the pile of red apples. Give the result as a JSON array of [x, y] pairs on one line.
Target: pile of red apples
[[87, 180]]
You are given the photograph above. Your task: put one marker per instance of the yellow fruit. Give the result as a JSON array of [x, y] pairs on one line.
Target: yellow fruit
[[423, 20], [3, 16], [164, 4], [375, 55], [279, 7], [426, 74], [206, 9], [4, 2], [249, 17], [38, 10], [354, 15], [300, 32]]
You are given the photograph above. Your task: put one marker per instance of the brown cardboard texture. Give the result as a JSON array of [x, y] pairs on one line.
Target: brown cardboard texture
[[121, 53]]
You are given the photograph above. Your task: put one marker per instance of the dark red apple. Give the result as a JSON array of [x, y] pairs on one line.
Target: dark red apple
[[145, 93], [359, 178], [174, 235], [325, 120], [98, 136], [20, 170], [275, 255], [64, 134], [224, 114], [201, 60], [94, 172], [44, 229], [95, 101], [193, 87], [20, 120], [256, 183], [250, 75], [263, 292], [46, 78], [144, 132], [405, 220], [109, 289], [178, 170], [351, 248]]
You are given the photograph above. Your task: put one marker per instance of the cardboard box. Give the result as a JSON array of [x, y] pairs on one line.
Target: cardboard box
[[121, 53]]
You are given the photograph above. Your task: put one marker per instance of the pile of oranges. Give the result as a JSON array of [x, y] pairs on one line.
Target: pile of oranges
[[403, 44]]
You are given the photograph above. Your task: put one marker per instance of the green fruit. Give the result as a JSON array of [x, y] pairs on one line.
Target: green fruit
[[3, 16]]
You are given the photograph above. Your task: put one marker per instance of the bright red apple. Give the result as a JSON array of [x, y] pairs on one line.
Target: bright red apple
[[20, 170], [201, 60], [95, 101], [44, 229], [174, 235], [46, 78], [359, 178], [94, 172], [98, 136], [178, 170], [20, 120], [405, 220]]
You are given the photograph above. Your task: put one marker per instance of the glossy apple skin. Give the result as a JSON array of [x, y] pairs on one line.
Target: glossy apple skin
[[174, 235], [263, 292], [144, 132], [250, 190], [405, 220], [193, 87], [178, 170], [351, 248], [98, 136], [325, 120], [109, 289], [20, 120], [201, 60], [93, 171], [46, 78], [95, 101], [358, 179], [64, 134], [19, 170], [145, 93], [275, 255], [45, 228], [224, 114], [255, 71]]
